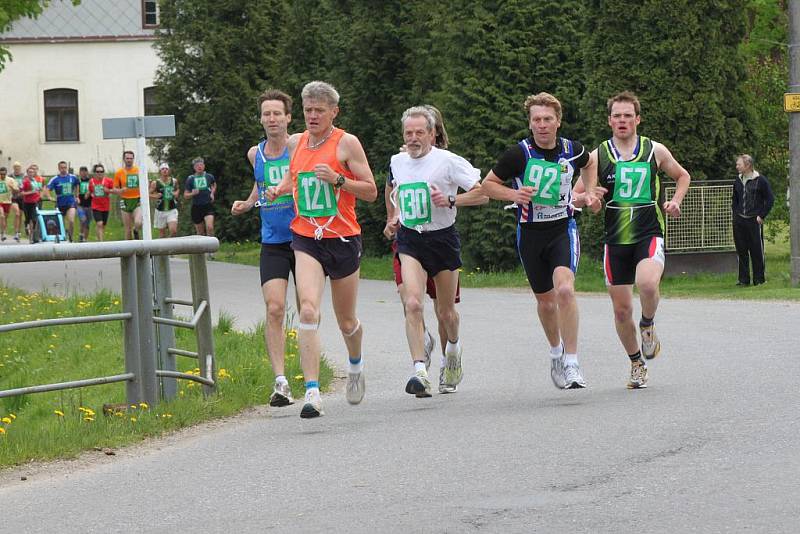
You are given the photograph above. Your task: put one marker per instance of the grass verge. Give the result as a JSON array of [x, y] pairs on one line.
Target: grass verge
[[62, 424]]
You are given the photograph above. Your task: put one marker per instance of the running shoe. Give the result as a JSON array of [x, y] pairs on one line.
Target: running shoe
[[3, 237], [638, 375], [444, 387], [419, 385], [453, 373], [313, 406], [557, 370], [355, 387], [430, 344], [573, 379], [651, 346], [281, 395], [16, 238]]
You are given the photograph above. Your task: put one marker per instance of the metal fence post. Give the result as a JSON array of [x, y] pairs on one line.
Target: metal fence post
[[166, 333], [147, 349], [130, 329], [204, 330]]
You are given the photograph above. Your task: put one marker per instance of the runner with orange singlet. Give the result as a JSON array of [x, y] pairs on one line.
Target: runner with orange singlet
[[328, 172]]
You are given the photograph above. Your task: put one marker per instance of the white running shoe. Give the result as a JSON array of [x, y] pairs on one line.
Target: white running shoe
[[651, 345], [313, 406], [573, 379], [638, 375], [355, 387], [445, 388], [281, 395], [557, 370], [419, 385], [430, 344], [453, 372]]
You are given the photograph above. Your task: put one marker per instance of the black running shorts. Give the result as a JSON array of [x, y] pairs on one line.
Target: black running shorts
[[277, 261], [339, 259]]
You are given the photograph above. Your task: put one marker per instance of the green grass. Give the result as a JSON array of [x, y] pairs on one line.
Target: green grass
[[61, 424]]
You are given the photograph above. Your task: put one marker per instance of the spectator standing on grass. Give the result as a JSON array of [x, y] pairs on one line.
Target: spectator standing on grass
[[752, 202]]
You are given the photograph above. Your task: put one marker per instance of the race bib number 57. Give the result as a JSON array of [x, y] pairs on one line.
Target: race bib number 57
[[315, 198], [545, 177], [632, 182]]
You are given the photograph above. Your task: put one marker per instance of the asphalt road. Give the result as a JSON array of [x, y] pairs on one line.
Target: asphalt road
[[710, 446]]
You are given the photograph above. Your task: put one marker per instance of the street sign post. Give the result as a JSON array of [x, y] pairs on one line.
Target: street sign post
[[141, 128]]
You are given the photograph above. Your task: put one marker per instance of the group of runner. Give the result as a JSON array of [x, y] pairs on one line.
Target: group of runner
[[88, 197], [306, 184]]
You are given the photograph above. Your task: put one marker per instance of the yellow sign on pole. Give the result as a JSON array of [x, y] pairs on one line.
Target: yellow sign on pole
[[791, 102]]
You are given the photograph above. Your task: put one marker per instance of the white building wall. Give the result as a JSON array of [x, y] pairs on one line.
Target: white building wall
[[110, 78]]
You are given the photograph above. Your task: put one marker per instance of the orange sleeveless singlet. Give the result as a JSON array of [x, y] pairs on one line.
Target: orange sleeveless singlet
[[344, 224]]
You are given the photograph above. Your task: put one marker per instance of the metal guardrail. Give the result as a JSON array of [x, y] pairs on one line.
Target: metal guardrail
[[148, 335]]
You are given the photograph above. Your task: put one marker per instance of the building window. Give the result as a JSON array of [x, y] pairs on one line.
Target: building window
[[61, 115], [149, 13], [150, 101]]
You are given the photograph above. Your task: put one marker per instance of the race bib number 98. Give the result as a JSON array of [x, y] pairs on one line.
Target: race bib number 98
[[632, 182], [415, 204], [315, 198], [545, 177], [274, 172]]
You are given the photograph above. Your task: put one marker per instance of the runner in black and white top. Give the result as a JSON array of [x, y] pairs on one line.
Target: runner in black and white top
[[536, 174], [426, 180]]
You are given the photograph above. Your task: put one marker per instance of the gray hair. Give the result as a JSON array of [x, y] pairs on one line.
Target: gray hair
[[197, 160], [317, 90], [747, 159], [419, 111]]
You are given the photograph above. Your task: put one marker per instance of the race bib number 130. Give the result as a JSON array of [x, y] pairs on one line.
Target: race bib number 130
[[545, 177], [415, 204], [315, 198]]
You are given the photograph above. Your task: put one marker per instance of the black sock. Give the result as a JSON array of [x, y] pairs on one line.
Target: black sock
[[637, 356], [646, 321]]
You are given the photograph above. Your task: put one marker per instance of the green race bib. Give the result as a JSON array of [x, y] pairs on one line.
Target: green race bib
[[414, 200], [99, 191], [200, 183], [84, 188], [167, 193], [632, 182], [35, 185], [315, 198], [132, 181], [3, 187], [545, 177], [274, 172], [66, 189]]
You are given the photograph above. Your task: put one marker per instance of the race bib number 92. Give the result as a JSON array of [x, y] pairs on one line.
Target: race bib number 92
[[545, 177]]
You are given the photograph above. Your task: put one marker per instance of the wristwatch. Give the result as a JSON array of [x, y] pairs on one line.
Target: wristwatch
[[452, 200], [339, 181]]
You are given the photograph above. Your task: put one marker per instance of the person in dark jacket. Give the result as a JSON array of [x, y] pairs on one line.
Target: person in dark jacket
[[752, 202]]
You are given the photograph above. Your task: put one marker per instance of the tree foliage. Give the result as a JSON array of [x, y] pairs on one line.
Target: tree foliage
[[476, 61]]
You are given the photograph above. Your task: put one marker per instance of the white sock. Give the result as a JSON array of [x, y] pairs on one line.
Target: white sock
[[570, 359], [355, 368], [453, 348], [281, 379], [312, 392], [557, 351], [419, 366]]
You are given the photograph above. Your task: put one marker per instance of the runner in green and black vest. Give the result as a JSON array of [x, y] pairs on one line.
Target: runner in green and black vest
[[627, 169], [166, 191], [201, 188]]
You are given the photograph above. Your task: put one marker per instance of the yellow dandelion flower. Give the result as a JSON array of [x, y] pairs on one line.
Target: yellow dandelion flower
[[298, 377], [88, 419], [54, 335], [133, 419], [87, 346], [167, 415], [181, 393], [143, 405], [59, 413], [90, 412], [2, 430], [133, 406], [6, 420], [119, 414], [52, 346], [116, 302], [12, 416]]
